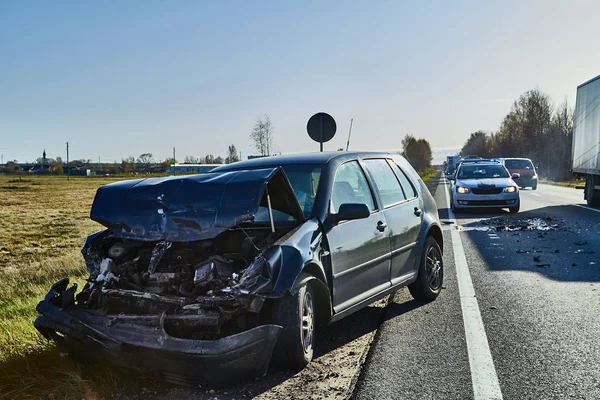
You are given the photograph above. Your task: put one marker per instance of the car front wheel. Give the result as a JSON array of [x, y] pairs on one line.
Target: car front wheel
[[431, 272], [516, 208], [296, 313]]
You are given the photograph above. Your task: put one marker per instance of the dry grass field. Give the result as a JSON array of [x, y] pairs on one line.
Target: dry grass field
[[43, 222]]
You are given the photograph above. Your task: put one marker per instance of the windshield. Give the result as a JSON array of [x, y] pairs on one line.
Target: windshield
[[304, 180], [518, 164], [482, 172]]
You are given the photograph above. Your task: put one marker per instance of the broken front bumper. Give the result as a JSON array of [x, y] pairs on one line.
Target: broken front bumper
[[148, 349]]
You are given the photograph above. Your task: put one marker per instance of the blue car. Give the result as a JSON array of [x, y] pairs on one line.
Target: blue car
[[206, 278]]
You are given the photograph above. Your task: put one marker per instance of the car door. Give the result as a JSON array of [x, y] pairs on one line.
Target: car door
[[402, 213], [359, 249]]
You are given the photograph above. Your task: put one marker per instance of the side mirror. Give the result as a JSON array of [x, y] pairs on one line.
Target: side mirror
[[351, 211], [515, 176]]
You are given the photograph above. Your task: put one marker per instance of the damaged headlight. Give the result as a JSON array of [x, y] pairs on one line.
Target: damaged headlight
[[252, 273]]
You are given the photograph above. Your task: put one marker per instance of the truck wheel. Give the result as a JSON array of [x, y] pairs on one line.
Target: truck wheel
[[431, 272], [296, 313], [591, 194]]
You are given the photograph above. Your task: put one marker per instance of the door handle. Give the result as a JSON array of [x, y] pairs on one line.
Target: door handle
[[381, 226], [418, 211]]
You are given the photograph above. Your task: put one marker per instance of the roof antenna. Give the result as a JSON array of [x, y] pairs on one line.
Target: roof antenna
[[349, 133]]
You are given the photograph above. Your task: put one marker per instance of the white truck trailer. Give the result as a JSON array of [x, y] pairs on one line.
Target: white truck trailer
[[586, 139]]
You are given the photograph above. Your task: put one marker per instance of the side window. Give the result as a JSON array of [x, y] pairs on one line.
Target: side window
[[409, 189], [386, 181], [350, 186]]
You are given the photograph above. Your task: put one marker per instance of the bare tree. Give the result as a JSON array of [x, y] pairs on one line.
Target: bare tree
[[232, 155], [145, 160], [191, 160], [128, 164], [262, 136]]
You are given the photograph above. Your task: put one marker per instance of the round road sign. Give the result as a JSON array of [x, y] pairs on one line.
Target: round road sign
[[321, 127]]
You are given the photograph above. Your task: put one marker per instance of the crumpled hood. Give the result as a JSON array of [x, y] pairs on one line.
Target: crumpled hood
[[193, 207], [475, 183]]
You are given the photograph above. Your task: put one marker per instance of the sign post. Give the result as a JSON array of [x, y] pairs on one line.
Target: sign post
[[321, 128]]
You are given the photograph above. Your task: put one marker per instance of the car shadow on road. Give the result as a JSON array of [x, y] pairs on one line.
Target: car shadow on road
[[558, 242], [336, 346], [359, 324]]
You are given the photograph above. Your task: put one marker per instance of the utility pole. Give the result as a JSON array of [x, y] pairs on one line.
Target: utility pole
[[174, 160], [67, 160]]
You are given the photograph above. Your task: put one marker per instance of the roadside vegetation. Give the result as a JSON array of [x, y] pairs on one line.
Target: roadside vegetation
[[533, 128], [574, 183], [428, 174], [43, 222]]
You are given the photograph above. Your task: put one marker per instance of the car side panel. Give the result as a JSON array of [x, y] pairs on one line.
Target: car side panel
[[360, 260]]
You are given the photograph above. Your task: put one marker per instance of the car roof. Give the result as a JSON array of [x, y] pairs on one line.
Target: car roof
[[319, 158], [480, 163], [517, 158]]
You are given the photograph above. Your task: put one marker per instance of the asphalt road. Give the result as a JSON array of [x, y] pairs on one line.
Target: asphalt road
[[530, 330]]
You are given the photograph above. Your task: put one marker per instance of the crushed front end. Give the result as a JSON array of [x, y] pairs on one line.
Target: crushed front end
[[191, 309]]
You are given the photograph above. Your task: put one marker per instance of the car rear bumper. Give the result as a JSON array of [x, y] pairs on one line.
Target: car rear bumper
[[148, 349], [526, 181]]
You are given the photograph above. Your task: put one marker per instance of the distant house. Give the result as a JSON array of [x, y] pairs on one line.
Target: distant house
[[196, 168]]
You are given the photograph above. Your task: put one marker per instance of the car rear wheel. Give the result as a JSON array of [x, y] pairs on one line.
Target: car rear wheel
[[534, 187], [431, 272], [296, 313]]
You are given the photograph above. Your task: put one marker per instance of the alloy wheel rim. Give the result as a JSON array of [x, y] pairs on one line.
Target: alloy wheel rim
[[307, 322], [433, 263]]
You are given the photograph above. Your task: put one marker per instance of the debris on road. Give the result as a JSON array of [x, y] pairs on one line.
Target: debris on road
[[506, 224], [537, 258], [542, 265], [581, 251], [581, 243]]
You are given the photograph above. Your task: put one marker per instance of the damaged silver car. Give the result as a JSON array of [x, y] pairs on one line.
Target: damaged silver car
[[205, 278]]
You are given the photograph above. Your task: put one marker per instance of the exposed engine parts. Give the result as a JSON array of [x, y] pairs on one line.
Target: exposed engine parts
[[215, 280]]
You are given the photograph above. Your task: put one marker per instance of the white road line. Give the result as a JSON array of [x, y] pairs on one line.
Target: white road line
[[535, 194], [586, 207], [483, 373]]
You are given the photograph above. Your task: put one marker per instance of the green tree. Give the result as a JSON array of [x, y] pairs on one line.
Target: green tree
[[479, 143], [417, 152]]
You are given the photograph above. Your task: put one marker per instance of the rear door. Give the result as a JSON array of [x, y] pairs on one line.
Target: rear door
[[360, 249], [402, 213]]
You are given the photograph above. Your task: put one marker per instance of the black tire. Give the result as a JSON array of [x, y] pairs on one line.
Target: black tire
[[515, 209], [296, 313], [431, 272], [534, 187], [591, 194], [454, 209]]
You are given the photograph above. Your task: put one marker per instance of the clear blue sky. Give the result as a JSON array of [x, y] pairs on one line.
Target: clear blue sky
[[125, 77]]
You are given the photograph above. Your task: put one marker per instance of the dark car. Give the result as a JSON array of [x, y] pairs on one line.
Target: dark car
[[203, 278]]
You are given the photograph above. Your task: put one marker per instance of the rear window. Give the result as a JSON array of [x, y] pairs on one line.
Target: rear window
[[518, 164]]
